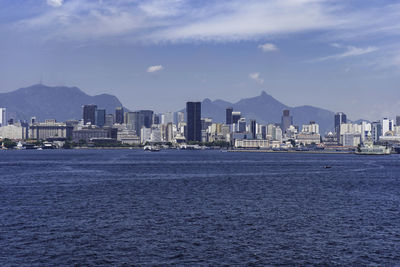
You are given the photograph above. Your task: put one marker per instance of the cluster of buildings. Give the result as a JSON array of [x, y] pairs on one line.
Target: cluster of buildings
[[178, 128]]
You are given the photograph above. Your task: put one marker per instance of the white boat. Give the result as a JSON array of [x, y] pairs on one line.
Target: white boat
[[20, 146]]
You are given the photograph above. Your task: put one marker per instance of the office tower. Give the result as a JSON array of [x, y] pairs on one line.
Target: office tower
[[89, 114], [253, 126], [3, 117], [167, 117], [340, 118], [119, 115], [229, 116], [387, 125], [397, 120], [146, 118], [193, 113], [286, 120], [100, 117], [236, 115], [109, 120], [205, 123], [157, 118], [376, 130], [264, 132], [132, 121], [181, 117], [241, 125]]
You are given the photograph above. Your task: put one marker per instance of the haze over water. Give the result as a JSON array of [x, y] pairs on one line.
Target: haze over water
[[114, 207]]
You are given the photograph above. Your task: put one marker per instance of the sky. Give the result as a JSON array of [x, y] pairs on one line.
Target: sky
[[338, 55]]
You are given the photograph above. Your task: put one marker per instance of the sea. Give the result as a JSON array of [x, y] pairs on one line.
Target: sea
[[194, 208]]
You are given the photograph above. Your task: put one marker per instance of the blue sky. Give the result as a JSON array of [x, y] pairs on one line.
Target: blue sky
[[339, 55]]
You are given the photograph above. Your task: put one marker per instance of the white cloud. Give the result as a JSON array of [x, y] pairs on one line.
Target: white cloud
[[267, 47], [350, 52], [155, 68], [54, 3], [256, 76]]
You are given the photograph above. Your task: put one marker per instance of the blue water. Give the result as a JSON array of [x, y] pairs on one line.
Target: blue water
[[116, 207]]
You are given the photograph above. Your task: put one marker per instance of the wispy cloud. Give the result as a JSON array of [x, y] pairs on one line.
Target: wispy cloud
[[351, 51], [256, 77], [155, 68], [54, 3], [268, 47]]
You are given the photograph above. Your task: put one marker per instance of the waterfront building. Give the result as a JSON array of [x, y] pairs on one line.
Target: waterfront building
[[14, 132], [100, 117], [286, 120], [229, 119], [193, 112], [348, 133], [50, 129], [89, 133], [89, 114], [146, 118], [3, 117], [397, 120], [119, 115], [245, 143]]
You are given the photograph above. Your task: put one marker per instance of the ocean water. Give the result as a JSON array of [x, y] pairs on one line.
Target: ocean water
[[130, 207]]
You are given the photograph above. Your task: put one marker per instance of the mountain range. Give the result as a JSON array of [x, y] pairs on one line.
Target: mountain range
[[64, 103], [266, 109], [45, 102]]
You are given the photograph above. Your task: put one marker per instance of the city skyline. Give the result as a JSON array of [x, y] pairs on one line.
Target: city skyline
[[341, 56]]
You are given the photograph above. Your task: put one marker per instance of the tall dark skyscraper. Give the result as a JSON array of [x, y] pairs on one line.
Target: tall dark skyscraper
[[229, 116], [89, 114], [100, 117], [340, 118], [397, 120], [193, 110], [253, 126], [119, 115], [146, 118], [236, 115], [286, 121]]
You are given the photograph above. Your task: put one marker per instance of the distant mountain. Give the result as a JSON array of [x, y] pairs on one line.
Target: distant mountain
[[60, 103], [266, 109]]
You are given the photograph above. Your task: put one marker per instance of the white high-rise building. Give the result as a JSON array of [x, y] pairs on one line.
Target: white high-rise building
[[387, 125], [167, 117], [3, 117]]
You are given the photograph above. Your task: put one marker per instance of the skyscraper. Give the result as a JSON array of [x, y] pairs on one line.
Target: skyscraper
[[100, 117], [236, 115], [229, 116], [286, 120], [340, 118], [89, 114], [146, 118], [193, 111], [119, 115], [397, 120], [3, 117], [253, 126]]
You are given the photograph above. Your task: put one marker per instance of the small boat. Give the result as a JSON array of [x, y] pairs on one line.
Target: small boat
[[327, 167]]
